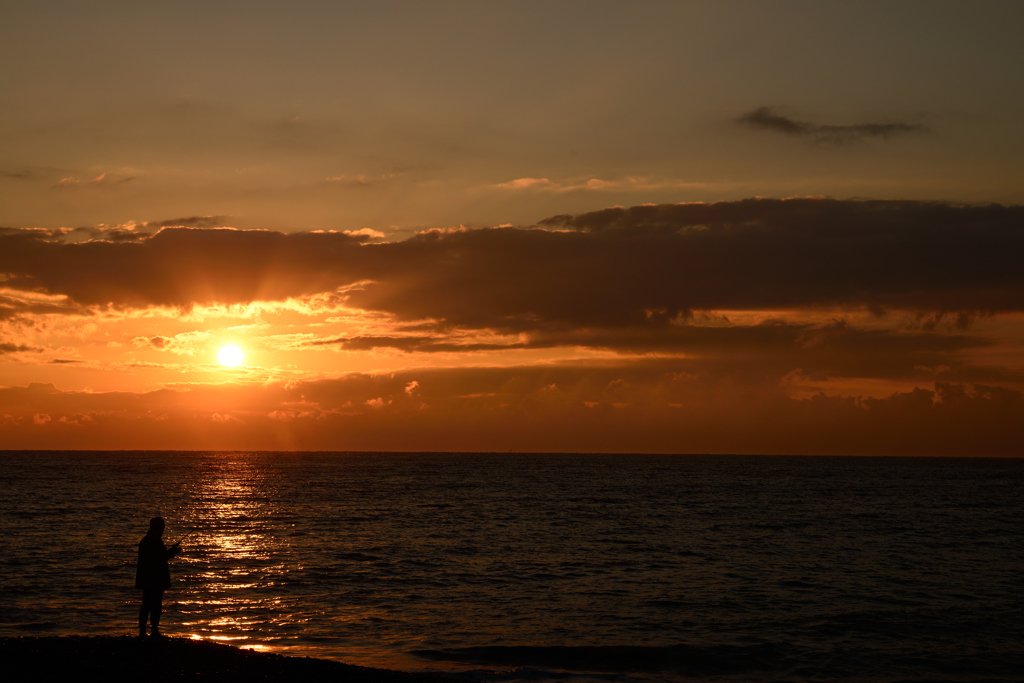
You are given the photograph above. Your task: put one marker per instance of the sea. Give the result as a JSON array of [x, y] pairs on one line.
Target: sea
[[538, 567]]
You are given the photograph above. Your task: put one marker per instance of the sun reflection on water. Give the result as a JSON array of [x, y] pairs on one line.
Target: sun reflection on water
[[235, 556]]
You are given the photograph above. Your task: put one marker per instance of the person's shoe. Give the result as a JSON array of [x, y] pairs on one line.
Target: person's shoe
[[156, 634], [142, 633]]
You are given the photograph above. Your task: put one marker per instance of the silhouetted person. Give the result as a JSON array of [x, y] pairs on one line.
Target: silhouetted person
[[152, 574]]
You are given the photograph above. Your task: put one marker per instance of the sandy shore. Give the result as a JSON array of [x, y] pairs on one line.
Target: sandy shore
[[78, 658]]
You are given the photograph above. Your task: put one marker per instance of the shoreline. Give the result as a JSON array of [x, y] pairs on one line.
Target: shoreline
[[117, 658]]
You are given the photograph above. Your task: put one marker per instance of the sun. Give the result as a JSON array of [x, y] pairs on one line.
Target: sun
[[230, 355]]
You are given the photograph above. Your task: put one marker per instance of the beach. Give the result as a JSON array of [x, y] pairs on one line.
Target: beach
[[75, 658]]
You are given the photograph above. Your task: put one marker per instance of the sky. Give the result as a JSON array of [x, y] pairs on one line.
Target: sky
[[674, 227]]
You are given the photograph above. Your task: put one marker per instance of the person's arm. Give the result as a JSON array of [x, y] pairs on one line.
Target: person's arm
[[173, 550]]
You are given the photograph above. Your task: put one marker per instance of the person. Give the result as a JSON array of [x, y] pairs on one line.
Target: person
[[152, 574]]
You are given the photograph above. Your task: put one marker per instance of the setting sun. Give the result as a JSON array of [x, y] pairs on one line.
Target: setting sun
[[230, 355]]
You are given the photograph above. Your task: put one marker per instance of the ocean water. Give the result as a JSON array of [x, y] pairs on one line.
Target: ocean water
[[538, 567]]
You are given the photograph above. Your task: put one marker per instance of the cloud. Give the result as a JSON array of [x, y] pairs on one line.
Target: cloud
[[764, 253], [18, 175], [422, 344], [364, 180], [650, 265], [181, 266], [596, 185], [185, 343], [100, 181], [28, 306], [9, 347], [156, 342], [129, 232], [190, 222], [525, 183], [765, 118], [769, 350], [365, 233]]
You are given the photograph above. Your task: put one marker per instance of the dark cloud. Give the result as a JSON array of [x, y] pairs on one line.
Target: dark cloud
[[157, 342], [765, 118], [422, 344], [763, 253], [35, 233], [182, 266], [18, 175], [126, 235], [8, 347], [764, 352], [646, 265], [115, 234], [190, 222]]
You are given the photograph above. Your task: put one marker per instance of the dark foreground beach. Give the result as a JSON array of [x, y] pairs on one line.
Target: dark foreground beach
[[78, 658]]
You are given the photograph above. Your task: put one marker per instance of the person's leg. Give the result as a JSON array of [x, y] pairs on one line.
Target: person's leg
[[155, 609], [143, 615], [151, 602]]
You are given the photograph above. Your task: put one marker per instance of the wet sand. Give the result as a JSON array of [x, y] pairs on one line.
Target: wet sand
[[79, 658]]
